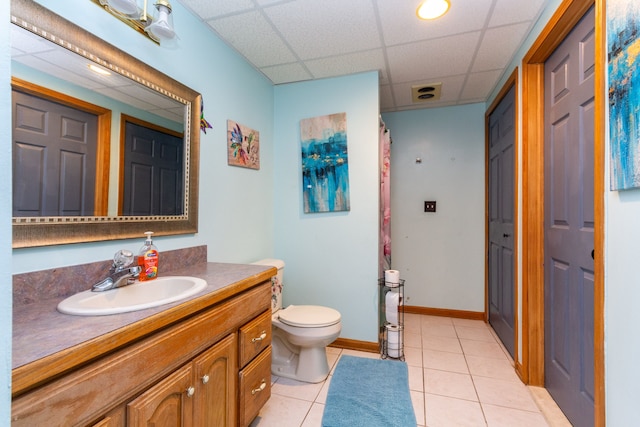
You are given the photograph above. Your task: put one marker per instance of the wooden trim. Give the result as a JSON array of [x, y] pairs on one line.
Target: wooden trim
[[601, 105], [445, 312], [512, 81], [563, 21], [103, 141], [349, 344]]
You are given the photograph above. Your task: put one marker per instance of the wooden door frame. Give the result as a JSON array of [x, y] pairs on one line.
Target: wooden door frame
[[512, 82], [559, 26]]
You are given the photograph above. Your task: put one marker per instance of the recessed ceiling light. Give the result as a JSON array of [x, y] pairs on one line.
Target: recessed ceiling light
[[99, 70], [432, 9]]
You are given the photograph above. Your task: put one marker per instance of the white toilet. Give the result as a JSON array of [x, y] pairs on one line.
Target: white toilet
[[299, 334]]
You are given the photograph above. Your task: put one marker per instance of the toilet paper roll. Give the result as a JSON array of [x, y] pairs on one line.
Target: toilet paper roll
[[394, 341], [392, 301], [392, 278]]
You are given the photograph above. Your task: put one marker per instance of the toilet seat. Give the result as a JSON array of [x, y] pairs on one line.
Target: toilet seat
[[309, 316]]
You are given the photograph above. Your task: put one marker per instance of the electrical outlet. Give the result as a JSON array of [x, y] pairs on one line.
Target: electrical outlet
[[430, 206]]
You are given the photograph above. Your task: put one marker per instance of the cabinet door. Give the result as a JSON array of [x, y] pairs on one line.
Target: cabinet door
[[255, 387], [167, 404], [216, 384]]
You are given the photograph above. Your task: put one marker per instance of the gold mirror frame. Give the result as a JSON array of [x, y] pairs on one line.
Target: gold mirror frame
[[44, 231]]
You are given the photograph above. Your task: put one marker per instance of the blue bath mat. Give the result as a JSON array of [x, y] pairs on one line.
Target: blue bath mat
[[369, 393]]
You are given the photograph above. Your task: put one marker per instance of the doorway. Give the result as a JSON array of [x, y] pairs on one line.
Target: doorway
[[569, 13], [501, 209]]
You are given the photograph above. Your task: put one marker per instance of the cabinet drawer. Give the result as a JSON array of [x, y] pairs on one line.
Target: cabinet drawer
[[255, 387], [254, 337]]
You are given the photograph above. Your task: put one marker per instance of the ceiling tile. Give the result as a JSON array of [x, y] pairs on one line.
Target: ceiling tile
[[286, 73], [479, 85], [207, 9], [257, 41], [433, 58], [401, 25], [347, 64], [510, 11], [498, 47], [318, 29], [386, 98]]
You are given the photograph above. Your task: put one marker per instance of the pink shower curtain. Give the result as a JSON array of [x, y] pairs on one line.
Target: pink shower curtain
[[384, 251]]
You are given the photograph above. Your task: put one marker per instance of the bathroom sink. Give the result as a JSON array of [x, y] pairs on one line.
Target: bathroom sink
[[138, 296]]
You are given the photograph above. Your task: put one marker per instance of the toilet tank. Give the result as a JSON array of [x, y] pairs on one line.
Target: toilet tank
[[276, 281]]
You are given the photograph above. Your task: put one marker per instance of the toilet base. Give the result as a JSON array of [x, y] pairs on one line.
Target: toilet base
[[307, 364]]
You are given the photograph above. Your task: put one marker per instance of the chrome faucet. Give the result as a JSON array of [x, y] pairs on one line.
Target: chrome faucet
[[120, 274]]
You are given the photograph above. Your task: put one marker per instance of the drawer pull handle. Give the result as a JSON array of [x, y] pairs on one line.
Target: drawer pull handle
[[262, 336], [263, 385], [205, 379], [191, 391]]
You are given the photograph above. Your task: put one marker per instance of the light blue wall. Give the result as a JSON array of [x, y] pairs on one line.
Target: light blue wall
[[6, 297], [441, 254], [331, 258], [236, 214]]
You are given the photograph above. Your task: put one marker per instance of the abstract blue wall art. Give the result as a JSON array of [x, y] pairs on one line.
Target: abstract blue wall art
[[325, 166], [623, 46]]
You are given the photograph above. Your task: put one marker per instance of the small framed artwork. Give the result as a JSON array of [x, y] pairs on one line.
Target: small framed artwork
[[243, 146], [325, 165]]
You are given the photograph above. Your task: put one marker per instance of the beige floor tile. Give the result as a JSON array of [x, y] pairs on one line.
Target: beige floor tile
[[450, 384], [282, 411], [482, 349], [314, 417], [297, 389], [510, 394], [498, 416], [322, 395], [431, 320], [416, 378], [417, 399], [412, 340], [469, 323], [444, 361], [491, 367], [413, 356], [451, 345], [441, 411], [440, 330], [474, 333]]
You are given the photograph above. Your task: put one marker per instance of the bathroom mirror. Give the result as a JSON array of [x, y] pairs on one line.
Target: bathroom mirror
[[150, 93]]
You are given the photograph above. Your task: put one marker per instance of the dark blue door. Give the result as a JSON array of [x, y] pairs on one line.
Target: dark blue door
[[569, 221]]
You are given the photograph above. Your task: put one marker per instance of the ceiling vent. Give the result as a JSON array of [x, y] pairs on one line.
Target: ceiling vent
[[426, 92]]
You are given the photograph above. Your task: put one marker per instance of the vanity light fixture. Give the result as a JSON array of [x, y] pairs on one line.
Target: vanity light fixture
[[158, 27], [432, 9]]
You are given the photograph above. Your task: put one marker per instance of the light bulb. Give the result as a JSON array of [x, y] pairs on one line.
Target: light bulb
[[432, 9]]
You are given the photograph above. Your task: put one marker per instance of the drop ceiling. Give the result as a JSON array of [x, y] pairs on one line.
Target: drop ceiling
[[466, 51]]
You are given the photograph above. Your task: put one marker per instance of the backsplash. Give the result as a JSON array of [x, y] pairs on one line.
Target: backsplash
[[64, 281]]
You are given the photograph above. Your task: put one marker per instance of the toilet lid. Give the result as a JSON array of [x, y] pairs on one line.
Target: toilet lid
[[309, 316]]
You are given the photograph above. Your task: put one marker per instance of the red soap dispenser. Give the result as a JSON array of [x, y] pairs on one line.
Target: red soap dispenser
[[148, 259]]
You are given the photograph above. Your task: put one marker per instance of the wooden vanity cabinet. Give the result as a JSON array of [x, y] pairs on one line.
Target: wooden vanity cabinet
[[185, 374]]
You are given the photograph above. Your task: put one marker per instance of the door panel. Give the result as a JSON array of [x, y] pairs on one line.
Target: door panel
[[501, 217], [569, 213], [153, 172], [54, 158]]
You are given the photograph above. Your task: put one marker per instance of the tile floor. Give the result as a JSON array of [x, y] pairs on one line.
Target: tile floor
[[459, 375]]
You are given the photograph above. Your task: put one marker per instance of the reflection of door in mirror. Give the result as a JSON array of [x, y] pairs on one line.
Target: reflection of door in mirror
[[152, 168], [55, 149]]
